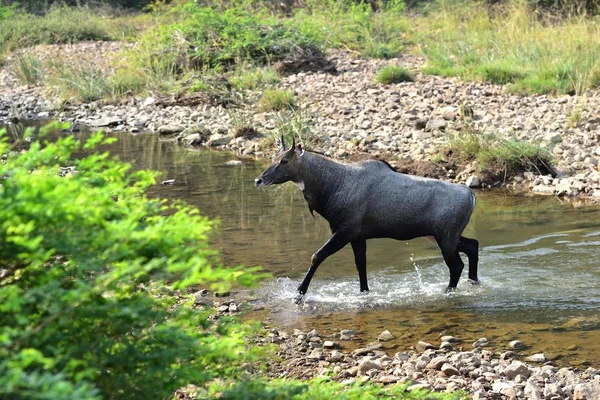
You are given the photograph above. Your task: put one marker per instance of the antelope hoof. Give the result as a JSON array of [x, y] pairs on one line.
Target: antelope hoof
[[298, 298], [474, 281], [450, 290]]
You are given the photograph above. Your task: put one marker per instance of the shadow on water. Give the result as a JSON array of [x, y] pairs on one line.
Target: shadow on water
[[539, 262]]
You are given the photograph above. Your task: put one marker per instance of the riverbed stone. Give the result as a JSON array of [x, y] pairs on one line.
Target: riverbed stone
[[386, 379], [481, 342], [505, 389], [170, 129], [516, 345], [422, 346], [449, 339], [517, 368], [367, 365], [437, 363], [537, 358], [385, 336], [473, 181], [335, 356], [218, 139], [449, 369]]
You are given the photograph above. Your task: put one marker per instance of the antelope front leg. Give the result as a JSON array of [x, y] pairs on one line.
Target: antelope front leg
[[335, 243]]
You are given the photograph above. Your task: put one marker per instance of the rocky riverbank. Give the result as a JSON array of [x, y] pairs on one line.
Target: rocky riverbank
[[449, 365], [480, 368], [348, 116]]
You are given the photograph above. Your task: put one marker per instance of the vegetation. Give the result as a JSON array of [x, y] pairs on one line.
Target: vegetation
[[277, 100], [92, 275], [28, 69], [327, 390], [497, 157], [393, 74], [514, 43], [356, 26], [60, 25], [96, 284]]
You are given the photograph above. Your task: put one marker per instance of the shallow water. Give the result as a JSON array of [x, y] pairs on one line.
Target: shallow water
[[539, 262]]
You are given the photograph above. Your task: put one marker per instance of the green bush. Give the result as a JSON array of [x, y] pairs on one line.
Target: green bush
[[204, 36], [7, 11], [91, 281], [354, 25], [393, 74]]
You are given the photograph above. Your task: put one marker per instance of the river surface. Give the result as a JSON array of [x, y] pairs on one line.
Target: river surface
[[539, 262]]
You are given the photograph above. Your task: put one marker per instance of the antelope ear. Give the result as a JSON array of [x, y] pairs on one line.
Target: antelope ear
[[299, 149]]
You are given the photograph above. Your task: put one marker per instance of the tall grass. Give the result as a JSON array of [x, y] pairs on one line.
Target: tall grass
[[514, 44], [82, 81], [60, 25], [28, 69]]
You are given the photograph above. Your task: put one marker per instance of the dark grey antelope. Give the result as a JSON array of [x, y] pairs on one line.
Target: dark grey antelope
[[369, 199]]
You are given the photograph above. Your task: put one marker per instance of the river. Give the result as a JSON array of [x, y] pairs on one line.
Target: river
[[539, 262]]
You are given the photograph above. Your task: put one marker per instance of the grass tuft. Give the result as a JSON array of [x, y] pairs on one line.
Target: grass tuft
[[277, 100], [254, 78], [499, 158], [393, 74], [28, 69]]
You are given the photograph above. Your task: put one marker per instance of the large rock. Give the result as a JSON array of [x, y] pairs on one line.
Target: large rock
[[367, 365], [218, 139], [169, 129], [449, 369], [505, 389], [533, 391], [437, 363], [473, 181], [517, 368]]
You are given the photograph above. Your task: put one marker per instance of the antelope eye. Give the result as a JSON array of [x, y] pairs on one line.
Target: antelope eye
[[283, 161]]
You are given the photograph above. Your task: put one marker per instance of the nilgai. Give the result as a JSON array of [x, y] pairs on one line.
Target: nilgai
[[369, 199]]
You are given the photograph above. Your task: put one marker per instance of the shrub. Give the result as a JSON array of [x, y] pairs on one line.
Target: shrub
[[91, 280], [393, 74], [354, 25], [277, 100]]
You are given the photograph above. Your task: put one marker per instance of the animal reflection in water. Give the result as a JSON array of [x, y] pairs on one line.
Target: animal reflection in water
[[368, 200]]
